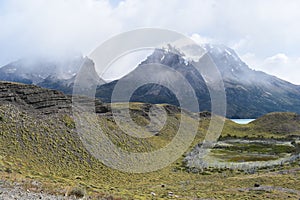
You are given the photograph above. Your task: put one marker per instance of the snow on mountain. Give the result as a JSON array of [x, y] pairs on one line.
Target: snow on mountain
[[249, 93], [36, 70]]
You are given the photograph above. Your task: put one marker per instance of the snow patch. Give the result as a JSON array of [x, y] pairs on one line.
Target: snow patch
[[11, 70], [228, 52]]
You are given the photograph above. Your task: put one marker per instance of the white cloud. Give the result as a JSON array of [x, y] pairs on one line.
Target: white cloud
[[201, 39], [124, 64], [280, 65], [54, 27], [278, 59], [241, 44]]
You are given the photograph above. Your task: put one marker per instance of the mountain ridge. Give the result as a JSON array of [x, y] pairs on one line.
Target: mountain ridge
[[250, 93]]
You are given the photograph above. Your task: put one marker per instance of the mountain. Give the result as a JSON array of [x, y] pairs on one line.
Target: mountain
[[56, 73], [36, 69], [249, 93], [87, 76]]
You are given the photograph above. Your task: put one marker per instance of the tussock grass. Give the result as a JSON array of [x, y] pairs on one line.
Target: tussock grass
[[47, 148]]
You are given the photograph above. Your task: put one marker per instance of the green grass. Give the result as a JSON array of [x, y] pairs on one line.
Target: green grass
[[47, 148], [277, 125], [260, 148], [234, 156]]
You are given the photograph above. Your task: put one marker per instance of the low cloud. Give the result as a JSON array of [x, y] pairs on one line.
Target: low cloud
[[201, 39], [56, 27], [280, 65]]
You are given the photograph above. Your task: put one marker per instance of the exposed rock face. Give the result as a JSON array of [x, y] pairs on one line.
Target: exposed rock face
[[43, 101], [34, 97]]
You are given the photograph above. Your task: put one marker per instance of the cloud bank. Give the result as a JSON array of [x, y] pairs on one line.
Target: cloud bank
[[267, 30]]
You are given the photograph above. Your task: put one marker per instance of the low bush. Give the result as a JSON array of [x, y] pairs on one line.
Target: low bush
[[77, 192]]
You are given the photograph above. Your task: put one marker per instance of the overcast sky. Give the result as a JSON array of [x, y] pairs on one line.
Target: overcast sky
[[266, 34]]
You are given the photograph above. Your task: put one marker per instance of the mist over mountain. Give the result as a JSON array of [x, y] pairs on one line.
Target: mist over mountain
[[252, 93], [35, 70], [249, 93], [52, 73]]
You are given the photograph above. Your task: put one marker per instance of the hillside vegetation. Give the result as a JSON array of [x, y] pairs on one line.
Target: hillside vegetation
[[39, 142]]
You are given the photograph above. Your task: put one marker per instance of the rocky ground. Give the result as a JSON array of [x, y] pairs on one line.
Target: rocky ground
[[16, 192]]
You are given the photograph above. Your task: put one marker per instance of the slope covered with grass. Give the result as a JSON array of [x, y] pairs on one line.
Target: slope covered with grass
[[41, 143]]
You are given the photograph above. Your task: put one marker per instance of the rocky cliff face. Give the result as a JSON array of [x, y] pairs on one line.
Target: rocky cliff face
[[41, 100], [34, 97]]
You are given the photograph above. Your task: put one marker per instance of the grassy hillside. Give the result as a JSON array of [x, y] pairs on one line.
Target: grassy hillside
[[45, 147], [277, 125]]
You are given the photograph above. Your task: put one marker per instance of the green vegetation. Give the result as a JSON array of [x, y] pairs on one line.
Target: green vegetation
[[47, 148], [260, 147], [232, 156], [278, 125], [69, 122], [77, 192]]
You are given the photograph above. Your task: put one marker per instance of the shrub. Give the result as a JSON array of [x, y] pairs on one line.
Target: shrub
[[69, 122], [8, 170], [77, 192]]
